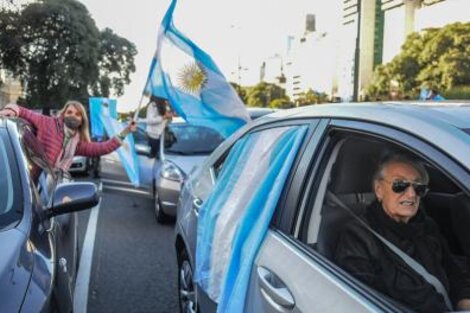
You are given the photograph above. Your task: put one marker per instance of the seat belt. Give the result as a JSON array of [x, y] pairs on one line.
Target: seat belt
[[416, 266]]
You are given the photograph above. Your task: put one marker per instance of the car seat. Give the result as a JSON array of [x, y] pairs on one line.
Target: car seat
[[351, 181]]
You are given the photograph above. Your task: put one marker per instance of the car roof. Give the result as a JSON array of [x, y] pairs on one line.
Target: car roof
[[443, 124]]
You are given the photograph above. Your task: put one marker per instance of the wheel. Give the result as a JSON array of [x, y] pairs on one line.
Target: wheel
[[161, 217], [186, 291]]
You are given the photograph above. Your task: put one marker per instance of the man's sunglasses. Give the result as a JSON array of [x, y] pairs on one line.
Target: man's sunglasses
[[399, 186]]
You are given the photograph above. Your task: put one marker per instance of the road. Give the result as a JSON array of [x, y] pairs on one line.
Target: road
[[133, 262]]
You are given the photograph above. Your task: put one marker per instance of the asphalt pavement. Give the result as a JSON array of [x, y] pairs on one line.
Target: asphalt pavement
[[133, 258]]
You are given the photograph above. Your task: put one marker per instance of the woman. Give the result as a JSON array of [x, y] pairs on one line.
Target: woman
[[157, 116], [65, 136]]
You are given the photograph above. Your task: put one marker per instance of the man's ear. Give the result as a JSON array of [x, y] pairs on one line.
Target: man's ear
[[378, 189]]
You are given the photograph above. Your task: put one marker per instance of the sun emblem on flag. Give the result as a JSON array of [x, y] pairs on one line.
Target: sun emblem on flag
[[192, 77]]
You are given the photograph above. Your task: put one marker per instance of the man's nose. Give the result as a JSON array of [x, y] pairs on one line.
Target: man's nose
[[410, 191]]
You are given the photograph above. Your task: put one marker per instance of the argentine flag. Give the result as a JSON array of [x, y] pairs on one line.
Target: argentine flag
[[234, 220], [193, 84], [103, 112]]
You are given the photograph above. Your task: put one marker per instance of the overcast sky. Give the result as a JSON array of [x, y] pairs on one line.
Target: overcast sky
[[245, 30]]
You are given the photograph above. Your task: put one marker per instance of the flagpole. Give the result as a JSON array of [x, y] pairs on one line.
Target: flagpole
[[136, 114]]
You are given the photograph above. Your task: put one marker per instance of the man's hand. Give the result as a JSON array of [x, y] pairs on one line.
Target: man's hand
[[463, 305]]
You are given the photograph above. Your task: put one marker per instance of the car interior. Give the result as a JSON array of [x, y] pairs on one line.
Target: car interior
[[348, 174]]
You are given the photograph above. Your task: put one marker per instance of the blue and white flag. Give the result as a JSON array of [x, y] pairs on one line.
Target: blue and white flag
[[193, 84], [99, 106], [235, 218], [103, 112]]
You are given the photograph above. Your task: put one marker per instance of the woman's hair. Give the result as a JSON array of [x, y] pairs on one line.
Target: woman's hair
[[160, 103], [84, 130]]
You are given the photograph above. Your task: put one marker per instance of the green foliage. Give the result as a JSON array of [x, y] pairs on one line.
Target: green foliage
[[459, 92], [436, 58], [312, 97], [241, 91], [262, 94], [116, 63], [281, 103], [57, 51]]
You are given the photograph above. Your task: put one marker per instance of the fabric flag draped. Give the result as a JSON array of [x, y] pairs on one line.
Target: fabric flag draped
[[234, 220], [97, 107], [195, 87], [103, 112]]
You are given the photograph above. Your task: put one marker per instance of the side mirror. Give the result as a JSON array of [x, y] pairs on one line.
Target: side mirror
[[73, 197], [142, 149]]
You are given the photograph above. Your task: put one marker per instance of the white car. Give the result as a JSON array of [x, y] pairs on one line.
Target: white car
[[80, 164]]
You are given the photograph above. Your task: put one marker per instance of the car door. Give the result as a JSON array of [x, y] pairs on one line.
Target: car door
[[284, 278], [289, 275]]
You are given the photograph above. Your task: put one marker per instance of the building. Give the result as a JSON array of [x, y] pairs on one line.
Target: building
[[310, 65], [10, 89], [373, 32]]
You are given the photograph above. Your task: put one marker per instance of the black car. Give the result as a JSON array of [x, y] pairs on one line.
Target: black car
[[38, 241]]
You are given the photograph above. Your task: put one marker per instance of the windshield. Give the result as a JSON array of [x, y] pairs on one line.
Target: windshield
[[192, 139], [10, 209]]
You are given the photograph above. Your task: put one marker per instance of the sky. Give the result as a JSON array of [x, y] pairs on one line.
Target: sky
[[235, 32]]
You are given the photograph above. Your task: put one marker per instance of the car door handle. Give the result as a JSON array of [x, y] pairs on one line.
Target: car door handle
[[274, 289], [197, 203]]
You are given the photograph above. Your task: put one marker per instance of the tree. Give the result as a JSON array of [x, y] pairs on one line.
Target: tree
[[281, 103], [435, 58], [241, 91], [262, 94], [115, 64], [312, 97], [58, 53]]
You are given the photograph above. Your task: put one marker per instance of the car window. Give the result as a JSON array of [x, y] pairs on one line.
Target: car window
[[192, 140], [344, 191], [32, 148], [10, 191]]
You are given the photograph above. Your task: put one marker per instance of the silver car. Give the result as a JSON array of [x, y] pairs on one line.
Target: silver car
[[184, 147], [80, 164], [293, 270]]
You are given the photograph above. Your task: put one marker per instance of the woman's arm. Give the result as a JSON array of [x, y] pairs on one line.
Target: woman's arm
[[95, 149], [32, 117]]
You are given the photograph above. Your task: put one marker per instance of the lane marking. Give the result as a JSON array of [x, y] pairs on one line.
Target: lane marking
[[82, 284], [107, 181], [128, 190]]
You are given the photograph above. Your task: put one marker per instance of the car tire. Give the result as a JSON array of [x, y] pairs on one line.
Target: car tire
[[186, 291], [160, 216]]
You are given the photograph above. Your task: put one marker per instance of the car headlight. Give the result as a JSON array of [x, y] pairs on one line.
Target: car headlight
[[171, 171]]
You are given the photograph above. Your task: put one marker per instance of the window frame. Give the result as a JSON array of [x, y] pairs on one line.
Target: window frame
[[316, 157], [14, 216]]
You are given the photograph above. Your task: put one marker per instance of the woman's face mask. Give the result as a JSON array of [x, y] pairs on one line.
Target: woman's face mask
[[72, 122], [72, 118]]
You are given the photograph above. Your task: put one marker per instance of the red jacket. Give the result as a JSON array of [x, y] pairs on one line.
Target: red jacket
[[50, 133]]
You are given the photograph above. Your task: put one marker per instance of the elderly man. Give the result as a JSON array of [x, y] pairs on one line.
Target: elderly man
[[399, 184]]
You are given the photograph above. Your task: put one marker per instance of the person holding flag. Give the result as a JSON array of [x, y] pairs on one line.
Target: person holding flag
[[156, 119], [65, 136]]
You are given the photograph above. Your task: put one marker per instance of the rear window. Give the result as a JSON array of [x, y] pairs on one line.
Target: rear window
[[10, 191], [193, 140]]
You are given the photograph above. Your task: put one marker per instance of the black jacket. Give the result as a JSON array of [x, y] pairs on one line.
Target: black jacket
[[360, 253]]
